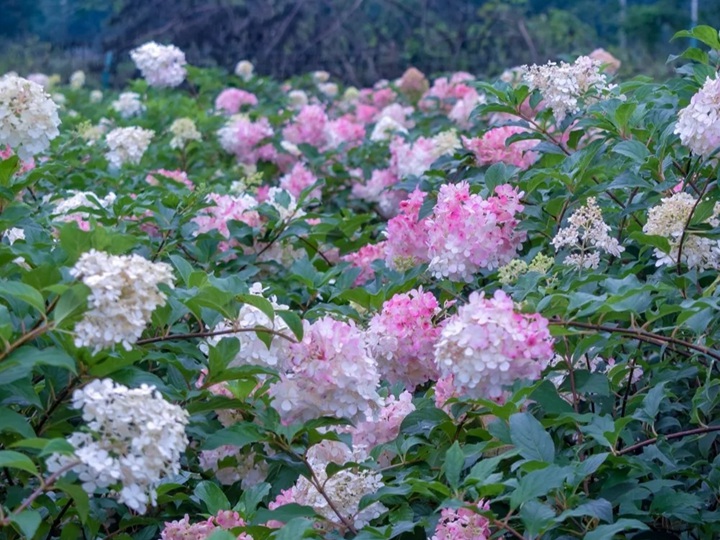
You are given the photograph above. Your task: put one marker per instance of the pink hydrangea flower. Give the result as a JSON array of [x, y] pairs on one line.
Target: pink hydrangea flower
[[331, 374], [402, 338], [466, 233], [226, 208], [377, 190], [298, 179], [363, 259], [244, 137], [344, 131], [366, 113], [155, 178], [230, 100], [385, 426], [486, 346], [412, 159], [183, 530], [308, 127], [445, 92], [493, 148], [463, 524], [407, 237]]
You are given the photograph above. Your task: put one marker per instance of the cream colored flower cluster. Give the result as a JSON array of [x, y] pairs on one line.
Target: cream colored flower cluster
[[127, 145], [28, 116], [124, 294], [134, 439]]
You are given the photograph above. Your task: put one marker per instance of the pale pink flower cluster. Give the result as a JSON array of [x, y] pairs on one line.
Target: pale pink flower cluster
[[699, 123], [330, 374], [462, 110], [378, 190], [493, 148], [385, 425], [412, 159], [343, 131], [407, 237], [230, 100], [466, 232], [162, 66], [487, 346], [68, 210], [445, 92], [308, 127], [226, 208], [363, 259], [247, 139], [225, 520], [231, 464], [402, 336], [345, 488], [162, 175], [298, 179], [463, 524]]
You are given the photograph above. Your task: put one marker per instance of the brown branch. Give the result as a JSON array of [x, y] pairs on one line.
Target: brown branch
[[174, 337], [678, 435], [642, 335], [22, 340]]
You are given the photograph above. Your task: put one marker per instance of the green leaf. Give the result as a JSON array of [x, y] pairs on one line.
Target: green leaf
[[608, 532], [213, 497], [72, 302], [10, 421], [27, 522], [263, 304], [16, 290], [531, 439], [183, 267], [536, 484], [239, 435], [222, 535], [453, 465], [16, 460], [707, 34], [295, 528], [293, 321], [635, 150], [536, 517], [600, 509], [79, 497], [8, 167]]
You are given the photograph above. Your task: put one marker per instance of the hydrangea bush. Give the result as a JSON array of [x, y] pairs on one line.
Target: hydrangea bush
[[234, 308]]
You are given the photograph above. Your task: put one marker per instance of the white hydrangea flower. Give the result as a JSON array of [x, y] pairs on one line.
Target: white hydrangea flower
[[446, 143], [329, 89], [128, 104], [96, 96], [385, 128], [699, 123], [135, 439], [345, 488], [298, 99], [162, 65], [127, 145], [77, 80], [565, 86], [588, 233], [183, 130], [28, 117], [244, 69], [66, 209], [124, 294], [320, 77], [253, 350], [669, 219]]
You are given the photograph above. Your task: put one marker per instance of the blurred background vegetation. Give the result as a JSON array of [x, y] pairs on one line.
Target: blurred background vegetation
[[358, 41]]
